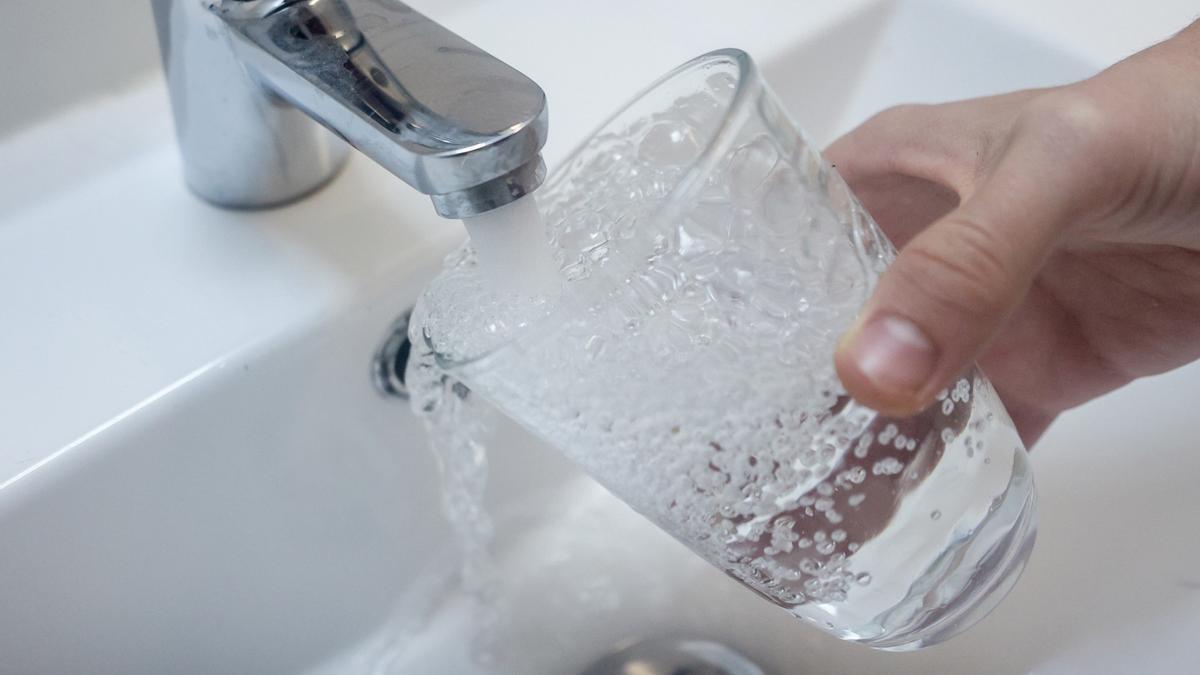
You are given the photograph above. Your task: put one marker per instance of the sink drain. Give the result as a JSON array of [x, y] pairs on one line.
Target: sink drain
[[391, 360]]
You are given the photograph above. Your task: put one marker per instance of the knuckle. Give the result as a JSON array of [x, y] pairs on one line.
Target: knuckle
[[1074, 124], [898, 126], [929, 141], [901, 124], [883, 143], [964, 274]]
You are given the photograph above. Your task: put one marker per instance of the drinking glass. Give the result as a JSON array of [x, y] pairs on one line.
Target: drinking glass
[[710, 260]]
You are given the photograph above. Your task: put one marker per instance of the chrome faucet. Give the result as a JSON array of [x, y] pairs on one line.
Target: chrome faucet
[[253, 82]]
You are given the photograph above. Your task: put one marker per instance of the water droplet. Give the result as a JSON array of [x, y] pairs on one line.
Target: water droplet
[[669, 144], [784, 202], [935, 514], [721, 84], [750, 165], [888, 466], [888, 433]]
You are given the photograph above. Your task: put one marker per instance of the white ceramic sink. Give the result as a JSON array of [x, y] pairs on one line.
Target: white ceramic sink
[[197, 475]]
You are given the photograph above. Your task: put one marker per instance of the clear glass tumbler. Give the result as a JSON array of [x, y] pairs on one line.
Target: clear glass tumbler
[[711, 259]]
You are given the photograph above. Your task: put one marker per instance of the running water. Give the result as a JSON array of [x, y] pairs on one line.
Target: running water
[[511, 245], [455, 423], [685, 363], [518, 272]]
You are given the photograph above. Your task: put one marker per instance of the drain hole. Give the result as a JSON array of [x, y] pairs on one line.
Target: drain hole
[[391, 360], [400, 363]]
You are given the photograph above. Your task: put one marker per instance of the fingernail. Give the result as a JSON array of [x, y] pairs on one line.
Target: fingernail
[[894, 354]]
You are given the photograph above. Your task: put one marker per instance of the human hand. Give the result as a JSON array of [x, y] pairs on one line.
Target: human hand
[[1053, 235]]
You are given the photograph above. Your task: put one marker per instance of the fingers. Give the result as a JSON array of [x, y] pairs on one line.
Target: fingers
[[931, 142], [910, 164], [907, 164], [953, 285]]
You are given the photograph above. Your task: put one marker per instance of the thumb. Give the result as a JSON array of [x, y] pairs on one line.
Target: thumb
[[950, 289]]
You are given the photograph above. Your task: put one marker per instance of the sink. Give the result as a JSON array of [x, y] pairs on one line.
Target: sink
[[197, 474]]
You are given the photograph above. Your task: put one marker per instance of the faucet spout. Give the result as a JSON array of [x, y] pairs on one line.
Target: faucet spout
[[251, 79]]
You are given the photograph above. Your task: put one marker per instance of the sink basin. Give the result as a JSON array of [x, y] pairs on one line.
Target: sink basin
[[198, 476]]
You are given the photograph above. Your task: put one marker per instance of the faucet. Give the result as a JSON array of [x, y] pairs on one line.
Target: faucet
[[267, 93]]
